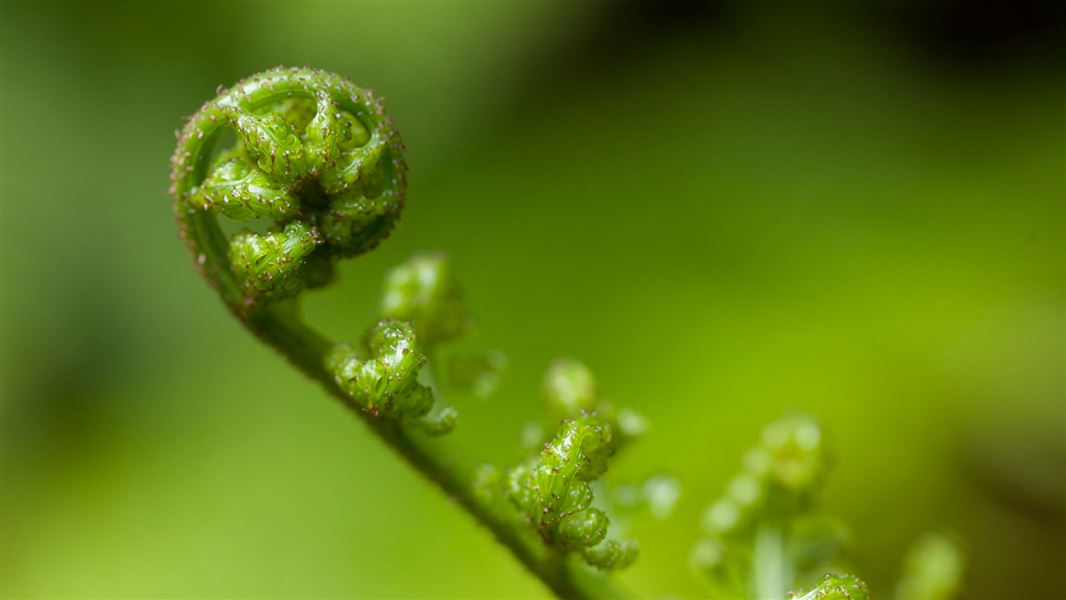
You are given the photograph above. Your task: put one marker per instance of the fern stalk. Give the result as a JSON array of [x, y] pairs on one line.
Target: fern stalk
[[319, 157]]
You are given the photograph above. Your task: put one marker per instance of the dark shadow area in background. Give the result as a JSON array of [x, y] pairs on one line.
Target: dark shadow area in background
[[973, 34], [950, 38], [952, 34]]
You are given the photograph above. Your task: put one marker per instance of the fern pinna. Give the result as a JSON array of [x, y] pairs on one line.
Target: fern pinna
[[320, 161]]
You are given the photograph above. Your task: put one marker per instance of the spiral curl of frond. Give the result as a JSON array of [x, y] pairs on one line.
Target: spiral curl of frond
[[317, 160], [314, 154]]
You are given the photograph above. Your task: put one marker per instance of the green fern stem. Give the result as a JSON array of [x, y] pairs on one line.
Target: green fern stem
[[351, 152]]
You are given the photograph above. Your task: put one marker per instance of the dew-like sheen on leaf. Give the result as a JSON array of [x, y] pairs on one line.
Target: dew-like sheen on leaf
[[556, 496], [313, 151]]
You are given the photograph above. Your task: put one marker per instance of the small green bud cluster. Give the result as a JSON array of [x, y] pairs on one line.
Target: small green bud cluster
[[836, 587], [765, 514], [780, 475], [768, 516], [425, 292], [422, 307], [386, 383], [262, 261], [314, 153], [555, 491], [319, 158]]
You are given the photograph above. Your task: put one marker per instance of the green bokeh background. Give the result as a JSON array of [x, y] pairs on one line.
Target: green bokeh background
[[728, 213]]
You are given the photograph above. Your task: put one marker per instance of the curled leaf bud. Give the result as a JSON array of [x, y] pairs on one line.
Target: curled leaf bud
[[424, 291], [313, 151], [555, 494], [387, 383], [271, 265], [237, 190], [836, 587]]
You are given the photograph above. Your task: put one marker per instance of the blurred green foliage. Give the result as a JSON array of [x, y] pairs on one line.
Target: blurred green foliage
[[758, 211]]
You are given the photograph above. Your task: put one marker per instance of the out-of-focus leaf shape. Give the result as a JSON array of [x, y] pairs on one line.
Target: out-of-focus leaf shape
[[424, 292], [933, 569]]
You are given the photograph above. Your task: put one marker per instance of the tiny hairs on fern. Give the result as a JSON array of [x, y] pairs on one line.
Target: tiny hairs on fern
[[315, 154], [313, 167]]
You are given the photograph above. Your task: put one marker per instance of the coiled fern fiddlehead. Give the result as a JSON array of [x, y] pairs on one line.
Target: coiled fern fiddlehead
[[318, 158]]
